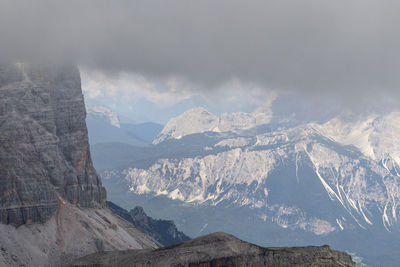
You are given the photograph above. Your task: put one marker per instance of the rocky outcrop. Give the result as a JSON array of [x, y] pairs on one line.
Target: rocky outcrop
[[219, 249], [44, 150], [163, 231]]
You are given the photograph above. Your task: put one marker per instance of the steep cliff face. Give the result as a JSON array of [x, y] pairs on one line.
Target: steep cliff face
[[44, 151], [48, 186], [219, 249]]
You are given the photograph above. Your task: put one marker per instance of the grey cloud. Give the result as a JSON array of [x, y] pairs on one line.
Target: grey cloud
[[339, 47]]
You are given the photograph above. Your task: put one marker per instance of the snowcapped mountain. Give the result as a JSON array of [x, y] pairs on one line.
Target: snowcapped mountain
[[320, 181]]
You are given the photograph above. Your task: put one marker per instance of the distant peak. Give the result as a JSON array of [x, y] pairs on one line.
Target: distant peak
[[200, 120], [195, 120], [198, 110], [138, 211], [106, 113]]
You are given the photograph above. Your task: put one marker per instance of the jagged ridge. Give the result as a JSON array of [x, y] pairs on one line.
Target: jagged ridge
[[163, 231]]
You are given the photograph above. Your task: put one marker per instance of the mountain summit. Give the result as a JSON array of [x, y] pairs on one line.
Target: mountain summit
[[199, 120]]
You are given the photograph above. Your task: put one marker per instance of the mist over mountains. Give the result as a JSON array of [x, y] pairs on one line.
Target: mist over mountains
[[276, 121], [342, 49]]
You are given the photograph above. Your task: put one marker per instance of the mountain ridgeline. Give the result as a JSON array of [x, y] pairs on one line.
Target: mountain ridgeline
[[163, 231]]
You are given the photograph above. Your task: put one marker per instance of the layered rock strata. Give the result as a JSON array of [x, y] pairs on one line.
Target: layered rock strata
[[44, 150]]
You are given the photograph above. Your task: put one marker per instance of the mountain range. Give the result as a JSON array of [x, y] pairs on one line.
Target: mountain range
[[288, 180], [53, 205]]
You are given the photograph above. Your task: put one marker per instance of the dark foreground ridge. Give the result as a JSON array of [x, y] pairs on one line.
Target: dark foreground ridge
[[218, 249], [163, 231]]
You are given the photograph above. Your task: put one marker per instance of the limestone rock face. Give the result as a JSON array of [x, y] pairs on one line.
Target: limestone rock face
[[219, 249], [44, 150]]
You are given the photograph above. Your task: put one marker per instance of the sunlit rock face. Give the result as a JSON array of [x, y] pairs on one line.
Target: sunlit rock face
[[44, 150]]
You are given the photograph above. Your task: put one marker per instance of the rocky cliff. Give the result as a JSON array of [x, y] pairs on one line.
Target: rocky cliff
[[219, 249], [52, 202], [44, 151]]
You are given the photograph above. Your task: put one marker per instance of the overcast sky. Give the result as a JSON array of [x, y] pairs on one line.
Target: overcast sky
[[341, 47]]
